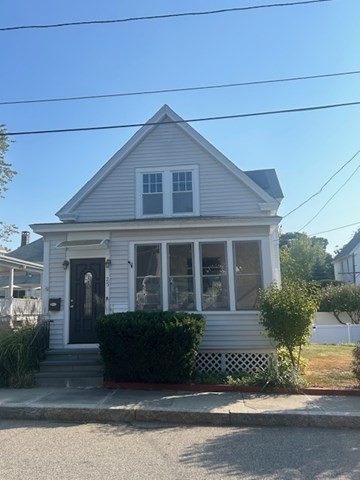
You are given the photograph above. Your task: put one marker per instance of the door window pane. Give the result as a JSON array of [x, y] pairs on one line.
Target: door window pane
[[148, 277], [152, 193], [181, 279], [182, 192], [248, 274], [88, 293], [214, 277]]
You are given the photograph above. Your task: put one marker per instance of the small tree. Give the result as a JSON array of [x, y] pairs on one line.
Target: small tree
[[6, 175], [287, 314]]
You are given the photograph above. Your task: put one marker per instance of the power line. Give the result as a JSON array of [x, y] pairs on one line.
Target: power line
[[183, 89], [159, 17], [323, 186], [191, 120], [333, 229], [325, 204]]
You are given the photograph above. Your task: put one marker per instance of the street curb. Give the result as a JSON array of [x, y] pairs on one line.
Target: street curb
[[131, 415], [353, 392]]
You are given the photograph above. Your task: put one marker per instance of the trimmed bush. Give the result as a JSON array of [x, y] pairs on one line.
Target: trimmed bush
[[156, 347]]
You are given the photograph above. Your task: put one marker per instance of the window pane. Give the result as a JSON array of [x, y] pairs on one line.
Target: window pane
[[214, 277], [247, 257], [247, 273], [181, 283], [247, 291], [148, 277], [183, 202], [88, 296], [153, 204]]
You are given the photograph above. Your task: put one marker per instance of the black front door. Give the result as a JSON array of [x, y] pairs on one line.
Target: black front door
[[87, 298]]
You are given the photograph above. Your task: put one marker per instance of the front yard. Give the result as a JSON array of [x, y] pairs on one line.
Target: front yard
[[329, 366]]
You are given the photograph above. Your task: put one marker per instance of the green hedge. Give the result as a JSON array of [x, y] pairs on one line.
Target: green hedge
[[356, 362], [156, 347]]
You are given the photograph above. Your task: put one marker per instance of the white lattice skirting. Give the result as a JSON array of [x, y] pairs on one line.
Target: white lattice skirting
[[231, 362]]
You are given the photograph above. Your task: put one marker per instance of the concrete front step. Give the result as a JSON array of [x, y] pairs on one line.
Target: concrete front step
[[70, 368], [73, 354]]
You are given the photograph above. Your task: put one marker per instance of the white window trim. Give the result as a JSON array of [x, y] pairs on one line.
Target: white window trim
[[167, 191]]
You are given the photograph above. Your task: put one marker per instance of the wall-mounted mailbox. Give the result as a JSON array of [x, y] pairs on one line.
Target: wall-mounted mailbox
[[54, 304]]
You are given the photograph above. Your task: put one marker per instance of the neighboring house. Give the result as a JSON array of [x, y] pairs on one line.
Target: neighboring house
[[167, 223], [26, 262], [347, 261], [20, 280]]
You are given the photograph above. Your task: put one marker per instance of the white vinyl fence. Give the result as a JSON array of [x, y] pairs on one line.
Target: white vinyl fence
[[335, 334], [19, 309]]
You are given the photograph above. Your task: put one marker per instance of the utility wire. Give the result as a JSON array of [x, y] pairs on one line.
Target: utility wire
[[191, 120], [333, 229], [174, 90], [159, 17], [323, 186], [325, 204]]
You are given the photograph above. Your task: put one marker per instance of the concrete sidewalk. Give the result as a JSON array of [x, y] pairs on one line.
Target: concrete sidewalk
[[179, 407]]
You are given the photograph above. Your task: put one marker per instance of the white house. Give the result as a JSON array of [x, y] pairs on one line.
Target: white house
[[167, 223], [347, 261]]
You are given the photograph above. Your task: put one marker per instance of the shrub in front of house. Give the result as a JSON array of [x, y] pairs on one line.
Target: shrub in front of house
[[20, 355], [286, 313], [158, 347], [356, 362]]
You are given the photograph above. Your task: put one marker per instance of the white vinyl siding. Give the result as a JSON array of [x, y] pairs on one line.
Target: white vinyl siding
[[56, 289], [224, 329], [167, 146]]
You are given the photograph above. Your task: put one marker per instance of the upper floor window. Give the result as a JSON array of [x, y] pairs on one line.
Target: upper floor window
[[152, 197], [182, 192], [167, 191]]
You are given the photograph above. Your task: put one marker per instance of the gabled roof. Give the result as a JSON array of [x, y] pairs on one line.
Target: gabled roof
[[268, 181], [32, 252], [166, 115], [349, 247]]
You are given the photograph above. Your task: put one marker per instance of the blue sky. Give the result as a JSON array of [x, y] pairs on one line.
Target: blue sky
[[304, 148]]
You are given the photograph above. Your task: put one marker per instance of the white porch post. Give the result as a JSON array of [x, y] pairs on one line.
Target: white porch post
[[11, 290]]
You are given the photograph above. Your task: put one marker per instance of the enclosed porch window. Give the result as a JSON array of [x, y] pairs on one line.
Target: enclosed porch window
[[148, 277], [181, 277], [190, 276], [248, 277], [214, 277]]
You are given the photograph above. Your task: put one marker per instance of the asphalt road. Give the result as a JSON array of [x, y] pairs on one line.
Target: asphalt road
[[54, 451]]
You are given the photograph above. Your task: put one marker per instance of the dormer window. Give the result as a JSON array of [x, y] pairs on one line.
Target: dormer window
[[167, 191]]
